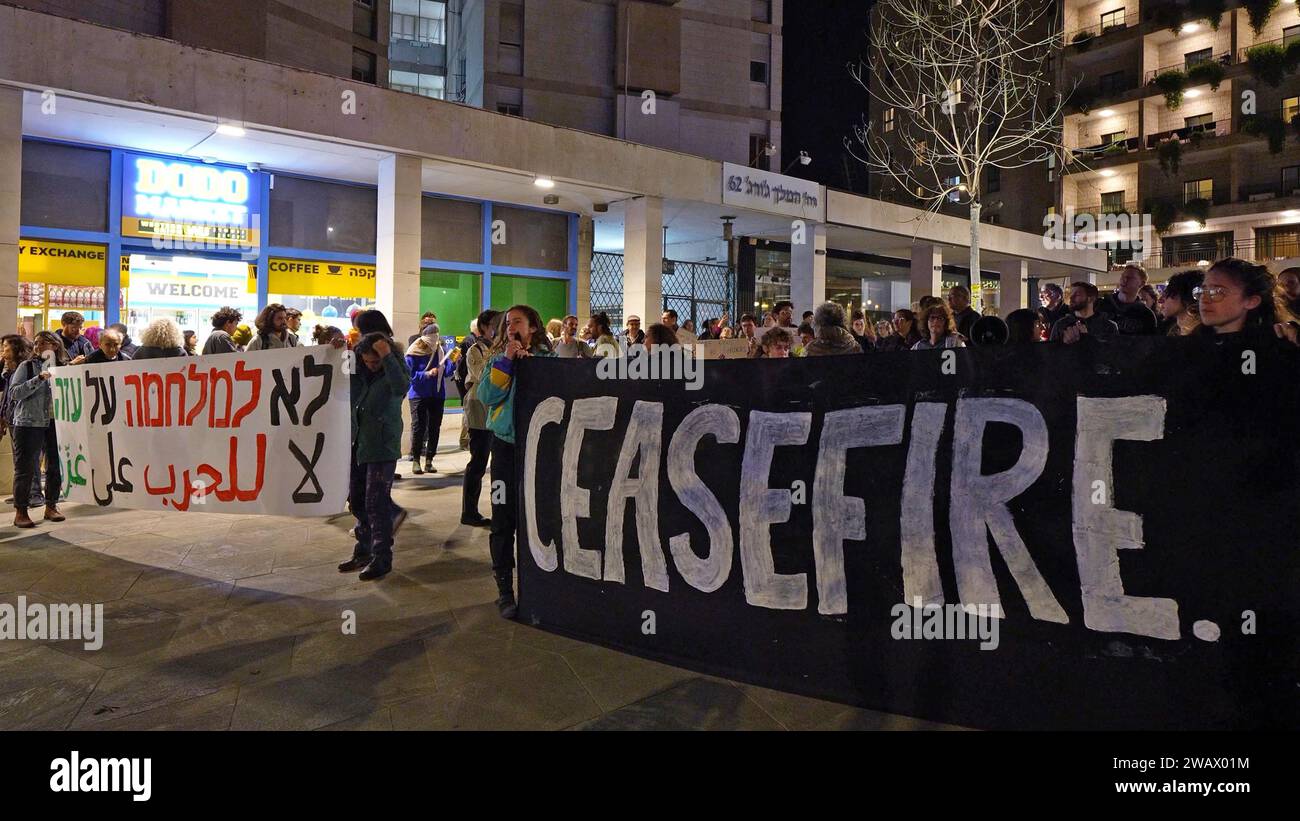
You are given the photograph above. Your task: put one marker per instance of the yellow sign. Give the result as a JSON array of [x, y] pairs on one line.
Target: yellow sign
[[62, 263], [304, 277]]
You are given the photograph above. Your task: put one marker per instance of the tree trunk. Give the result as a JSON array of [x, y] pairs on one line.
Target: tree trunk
[[976, 288]]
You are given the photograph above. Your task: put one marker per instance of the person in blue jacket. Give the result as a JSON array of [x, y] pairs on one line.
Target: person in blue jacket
[[426, 362], [522, 335], [379, 380]]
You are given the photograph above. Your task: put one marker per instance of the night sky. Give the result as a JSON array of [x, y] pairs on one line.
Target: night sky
[[820, 101]]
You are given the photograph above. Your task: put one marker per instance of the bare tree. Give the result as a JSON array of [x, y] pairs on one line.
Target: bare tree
[[970, 86]]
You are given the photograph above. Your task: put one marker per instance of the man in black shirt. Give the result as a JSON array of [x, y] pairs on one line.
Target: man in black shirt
[[1123, 306], [962, 313], [1083, 319]]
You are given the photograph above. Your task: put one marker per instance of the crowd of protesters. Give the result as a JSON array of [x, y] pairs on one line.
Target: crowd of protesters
[[1230, 299]]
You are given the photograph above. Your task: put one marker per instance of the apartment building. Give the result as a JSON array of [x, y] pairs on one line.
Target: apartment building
[[345, 38], [1184, 111], [713, 66]]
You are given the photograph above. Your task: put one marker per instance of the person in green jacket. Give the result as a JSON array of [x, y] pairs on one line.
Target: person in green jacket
[[522, 335], [379, 384]]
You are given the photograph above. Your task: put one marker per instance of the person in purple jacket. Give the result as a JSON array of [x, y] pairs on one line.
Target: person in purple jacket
[[428, 394]]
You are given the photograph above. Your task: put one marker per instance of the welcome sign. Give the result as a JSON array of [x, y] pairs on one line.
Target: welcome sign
[[264, 432], [1124, 512]]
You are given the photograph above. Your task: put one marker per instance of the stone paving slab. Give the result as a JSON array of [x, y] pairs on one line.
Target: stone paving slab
[[220, 621]]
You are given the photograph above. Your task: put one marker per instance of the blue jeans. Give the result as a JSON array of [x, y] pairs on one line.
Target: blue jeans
[[370, 495]]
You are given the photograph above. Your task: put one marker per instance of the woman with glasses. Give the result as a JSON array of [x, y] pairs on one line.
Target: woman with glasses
[[905, 333], [1240, 300], [942, 329], [1179, 313]]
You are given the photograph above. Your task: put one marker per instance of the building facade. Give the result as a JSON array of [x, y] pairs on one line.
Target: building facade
[[1186, 113]]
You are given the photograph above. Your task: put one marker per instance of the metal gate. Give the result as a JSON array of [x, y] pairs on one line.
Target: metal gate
[[697, 291]]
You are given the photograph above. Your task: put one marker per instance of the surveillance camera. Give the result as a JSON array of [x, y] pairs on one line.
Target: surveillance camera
[[254, 167]]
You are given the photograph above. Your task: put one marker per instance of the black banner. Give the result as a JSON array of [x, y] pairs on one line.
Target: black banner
[[1119, 521]]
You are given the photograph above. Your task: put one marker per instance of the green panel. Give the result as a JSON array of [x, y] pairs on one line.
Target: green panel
[[549, 296], [453, 296]]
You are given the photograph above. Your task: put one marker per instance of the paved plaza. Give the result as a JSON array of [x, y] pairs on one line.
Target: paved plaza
[[216, 622]]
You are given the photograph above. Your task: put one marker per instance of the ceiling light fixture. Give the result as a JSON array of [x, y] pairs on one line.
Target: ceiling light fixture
[[1189, 28], [1106, 112], [544, 182], [228, 130], [1108, 172]]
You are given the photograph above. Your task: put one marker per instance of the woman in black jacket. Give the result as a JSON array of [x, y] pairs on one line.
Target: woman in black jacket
[[161, 339]]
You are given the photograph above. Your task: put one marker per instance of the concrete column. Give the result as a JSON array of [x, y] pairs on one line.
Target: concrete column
[[586, 246], [11, 183], [808, 268], [1013, 290], [397, 252], [643, 258], [927, 271]]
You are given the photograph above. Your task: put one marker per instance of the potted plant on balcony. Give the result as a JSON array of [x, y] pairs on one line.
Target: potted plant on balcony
[[1163, 213], [1170, 152], [1171, 84], [1271, 128], [1168, 15], [1209, 71], [1211, 11], [1082, 39], [1198, 209], [1258, 12], [1267, 62]]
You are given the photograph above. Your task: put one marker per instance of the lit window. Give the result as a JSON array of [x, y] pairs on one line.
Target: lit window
[[1198, 190], [426, 85], [1290, 107], [419, 21], [888, 120]]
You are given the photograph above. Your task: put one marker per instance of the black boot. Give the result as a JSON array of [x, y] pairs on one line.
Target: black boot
[[506, 603], [357, 562], [415, 464], [379, 567], [428, 466]]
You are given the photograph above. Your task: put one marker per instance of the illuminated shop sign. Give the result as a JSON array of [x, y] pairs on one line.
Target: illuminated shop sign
[[180, 202]]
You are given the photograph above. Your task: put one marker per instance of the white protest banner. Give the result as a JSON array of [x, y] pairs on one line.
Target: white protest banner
[[724, 348], [261, 432]]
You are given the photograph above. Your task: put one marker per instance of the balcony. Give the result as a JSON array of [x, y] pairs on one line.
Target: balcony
[[1098, 209], [1262, 192], [1088, 33], [1218, 128], [1113, 148], [1281, 42], [1259, 250], [1223, 58]]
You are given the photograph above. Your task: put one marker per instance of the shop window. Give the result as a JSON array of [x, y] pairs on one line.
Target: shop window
[[451, 230], [549, 296], [1198, 190], [534, 239], [64, 187], [454, 296], [322, 216]]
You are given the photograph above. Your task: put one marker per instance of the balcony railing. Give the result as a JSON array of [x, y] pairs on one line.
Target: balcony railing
[[1122, 145], [1282, 42], [1267, 191], [1097, 29], [1222, 58], [1218, 128], [1258, 250], [1099, 208]]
